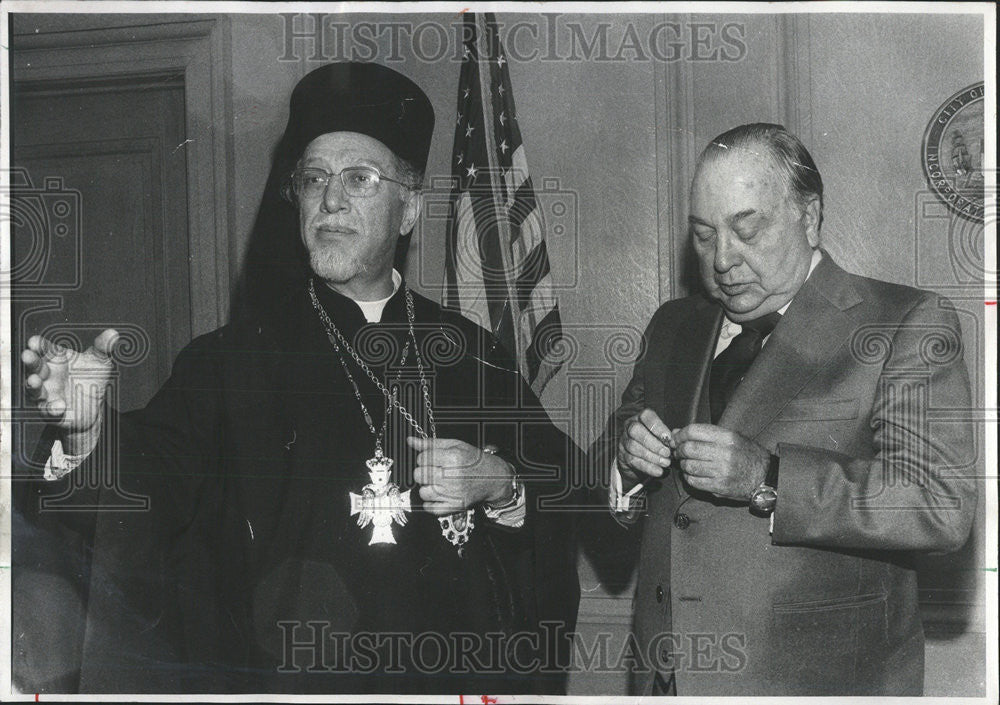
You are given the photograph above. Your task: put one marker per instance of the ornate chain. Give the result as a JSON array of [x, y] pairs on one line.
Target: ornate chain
[[457, 527], [378, 435], [335, 335], [420, 363]]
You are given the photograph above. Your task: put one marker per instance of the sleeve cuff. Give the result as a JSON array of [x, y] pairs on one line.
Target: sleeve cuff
[[60, 464], [511, 516], [621, 502]]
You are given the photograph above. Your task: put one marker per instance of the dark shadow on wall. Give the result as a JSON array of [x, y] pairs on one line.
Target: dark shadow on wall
[[611, 549], [276, 259]]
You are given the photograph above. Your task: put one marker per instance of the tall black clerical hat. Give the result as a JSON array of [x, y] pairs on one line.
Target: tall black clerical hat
[[361, 97]]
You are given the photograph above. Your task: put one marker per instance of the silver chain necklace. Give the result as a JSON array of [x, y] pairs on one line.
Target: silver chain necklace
[[381, 502]]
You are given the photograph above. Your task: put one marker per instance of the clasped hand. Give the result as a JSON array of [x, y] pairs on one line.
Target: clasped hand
[[455, 476], [711, 458]]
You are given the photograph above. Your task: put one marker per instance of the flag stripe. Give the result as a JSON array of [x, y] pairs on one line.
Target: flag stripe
[[473, 300], [533, 270], [523, 204]]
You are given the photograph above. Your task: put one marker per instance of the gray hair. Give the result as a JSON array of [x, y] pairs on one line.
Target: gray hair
[[785, 150], [408, 173]]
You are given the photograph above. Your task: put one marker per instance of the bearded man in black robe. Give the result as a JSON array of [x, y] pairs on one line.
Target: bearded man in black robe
[[349, 489]]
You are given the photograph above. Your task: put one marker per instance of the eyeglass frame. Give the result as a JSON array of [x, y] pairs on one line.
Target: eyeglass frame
[[288, 191]]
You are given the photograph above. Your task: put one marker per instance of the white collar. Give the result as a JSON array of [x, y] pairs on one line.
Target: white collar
[[373, 309]]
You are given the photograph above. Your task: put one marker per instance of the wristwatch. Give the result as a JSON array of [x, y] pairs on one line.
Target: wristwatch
[[515, 482], [765, 496]]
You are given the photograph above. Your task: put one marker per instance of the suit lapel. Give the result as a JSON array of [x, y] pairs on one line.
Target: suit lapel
[[688, 356], [685, 372], [806, 339]]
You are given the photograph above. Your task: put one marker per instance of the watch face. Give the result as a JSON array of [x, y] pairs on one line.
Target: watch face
[[764, 498]]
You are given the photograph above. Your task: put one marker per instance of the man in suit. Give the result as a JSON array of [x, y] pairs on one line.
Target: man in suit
[[774, 445]]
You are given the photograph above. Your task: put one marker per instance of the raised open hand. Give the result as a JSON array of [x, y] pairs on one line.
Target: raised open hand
[[68, 386]]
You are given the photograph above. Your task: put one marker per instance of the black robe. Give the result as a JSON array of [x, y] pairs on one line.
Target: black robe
[[247, 573]]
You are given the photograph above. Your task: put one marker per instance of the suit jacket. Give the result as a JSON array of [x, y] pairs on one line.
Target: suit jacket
[[841, 391]]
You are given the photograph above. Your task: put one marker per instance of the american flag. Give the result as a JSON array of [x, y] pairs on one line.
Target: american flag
[[496, 265]]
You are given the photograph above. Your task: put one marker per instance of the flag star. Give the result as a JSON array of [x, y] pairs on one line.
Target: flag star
[[468, 130], [500, 89], [467, 53], [460, 156], [459, 120], [465, 93], [471, 171], [503, 146], [501, 61], [503, 118]]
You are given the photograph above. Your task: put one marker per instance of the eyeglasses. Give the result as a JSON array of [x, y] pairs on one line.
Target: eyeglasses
[[358, 181]]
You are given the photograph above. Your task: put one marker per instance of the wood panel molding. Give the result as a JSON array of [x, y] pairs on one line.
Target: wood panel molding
[[676, 152], [795, 81], [199, 50]]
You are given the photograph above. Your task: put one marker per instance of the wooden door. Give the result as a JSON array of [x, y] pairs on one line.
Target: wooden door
[[102, 165]]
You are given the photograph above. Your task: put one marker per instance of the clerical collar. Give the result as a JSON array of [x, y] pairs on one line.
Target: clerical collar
[[350, 314], [373, 309]]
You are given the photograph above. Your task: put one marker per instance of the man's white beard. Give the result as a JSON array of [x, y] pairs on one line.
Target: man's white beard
[[331, 265]]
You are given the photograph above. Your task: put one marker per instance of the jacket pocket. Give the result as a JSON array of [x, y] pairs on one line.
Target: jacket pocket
[[831, 603], [819, 646], [819, 410]]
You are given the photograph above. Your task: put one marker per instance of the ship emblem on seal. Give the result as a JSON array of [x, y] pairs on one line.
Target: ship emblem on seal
[[953, 153]]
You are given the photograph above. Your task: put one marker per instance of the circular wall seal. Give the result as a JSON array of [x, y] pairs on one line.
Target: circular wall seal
[[953, 153]]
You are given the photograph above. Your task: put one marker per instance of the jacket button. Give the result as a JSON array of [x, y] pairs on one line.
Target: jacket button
[[659, 593], [682, 521]]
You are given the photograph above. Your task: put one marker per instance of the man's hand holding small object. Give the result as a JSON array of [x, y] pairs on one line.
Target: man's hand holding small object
[[716, 460], [644, 450], [454, 475]]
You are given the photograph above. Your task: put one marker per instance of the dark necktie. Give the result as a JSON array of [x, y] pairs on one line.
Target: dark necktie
[[732, 365]]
